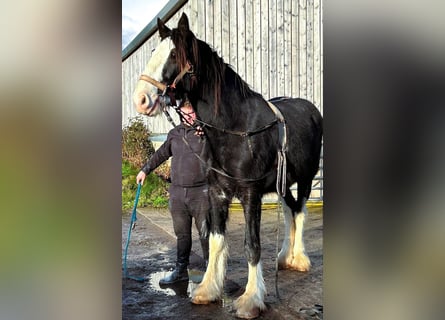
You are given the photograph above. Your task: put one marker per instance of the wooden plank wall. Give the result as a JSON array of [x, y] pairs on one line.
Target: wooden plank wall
[[275, 45]]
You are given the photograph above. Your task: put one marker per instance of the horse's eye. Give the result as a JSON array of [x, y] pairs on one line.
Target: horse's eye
[[173, 54]]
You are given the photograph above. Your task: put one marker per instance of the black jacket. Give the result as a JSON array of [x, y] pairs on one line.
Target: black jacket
[[186, 169]]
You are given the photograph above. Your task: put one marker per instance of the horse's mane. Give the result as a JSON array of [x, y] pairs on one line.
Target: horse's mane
[[209, 67]]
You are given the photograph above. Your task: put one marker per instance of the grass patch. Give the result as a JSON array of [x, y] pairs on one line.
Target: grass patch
[[154, 192]]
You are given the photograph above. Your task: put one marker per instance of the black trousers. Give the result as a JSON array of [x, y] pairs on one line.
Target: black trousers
[[185, 204]]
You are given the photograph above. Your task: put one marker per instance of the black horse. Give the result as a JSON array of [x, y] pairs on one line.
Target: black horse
[[253, 147]]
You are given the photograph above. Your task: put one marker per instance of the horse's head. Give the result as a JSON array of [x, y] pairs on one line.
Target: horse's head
[[201, 70], [146, 95], [168, 71]]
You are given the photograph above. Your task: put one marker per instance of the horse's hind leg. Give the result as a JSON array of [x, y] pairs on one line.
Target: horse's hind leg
[[293, 254], [285, 256], [300, 260], [212, 284], [250, 304]]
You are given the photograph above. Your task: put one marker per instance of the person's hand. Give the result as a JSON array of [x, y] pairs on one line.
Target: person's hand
[[140, 177]]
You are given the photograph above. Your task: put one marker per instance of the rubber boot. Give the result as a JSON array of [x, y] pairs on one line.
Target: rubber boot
[[180, 273]]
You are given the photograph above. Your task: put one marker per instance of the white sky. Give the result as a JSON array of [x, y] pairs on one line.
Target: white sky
[[136, 14]]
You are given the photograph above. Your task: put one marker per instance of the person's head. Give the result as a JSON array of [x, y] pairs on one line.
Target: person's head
[[188, 114]]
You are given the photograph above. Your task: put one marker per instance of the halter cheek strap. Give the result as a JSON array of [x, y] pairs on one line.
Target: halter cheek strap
[[188, 69]]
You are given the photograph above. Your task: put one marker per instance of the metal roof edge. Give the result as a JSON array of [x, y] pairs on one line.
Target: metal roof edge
[[166, 13]]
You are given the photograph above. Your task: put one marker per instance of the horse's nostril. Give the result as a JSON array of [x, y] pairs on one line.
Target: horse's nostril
[[144, 101]]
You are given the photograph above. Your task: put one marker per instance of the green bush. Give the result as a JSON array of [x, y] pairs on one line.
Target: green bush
[[136, 150], [136, 146]]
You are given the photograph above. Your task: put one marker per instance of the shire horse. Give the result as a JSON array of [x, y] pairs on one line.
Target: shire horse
[[250, 144]]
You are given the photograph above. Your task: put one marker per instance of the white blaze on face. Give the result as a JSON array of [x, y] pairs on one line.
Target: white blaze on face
[[145, 96]]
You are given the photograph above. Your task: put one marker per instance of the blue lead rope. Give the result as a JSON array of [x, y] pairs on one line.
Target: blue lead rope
[[132, 225]]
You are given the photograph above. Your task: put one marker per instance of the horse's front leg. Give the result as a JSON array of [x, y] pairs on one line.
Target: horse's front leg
[[250, 304], [212, 284]]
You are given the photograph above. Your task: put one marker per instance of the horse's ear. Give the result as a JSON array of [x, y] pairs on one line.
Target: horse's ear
[[164, 31], [183, 23]]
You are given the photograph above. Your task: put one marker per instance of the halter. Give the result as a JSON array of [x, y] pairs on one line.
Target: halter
[[188, 69], [154, 82], [169, 90]]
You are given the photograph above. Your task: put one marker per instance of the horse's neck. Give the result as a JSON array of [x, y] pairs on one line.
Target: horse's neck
[[225, 117], [232, 110], [228, 111]]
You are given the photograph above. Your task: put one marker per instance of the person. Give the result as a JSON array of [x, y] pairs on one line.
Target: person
[[188, 190]]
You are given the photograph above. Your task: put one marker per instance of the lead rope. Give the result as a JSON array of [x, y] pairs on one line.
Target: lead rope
[[169, 118], [132, 226], [281, 175], [279, 207], [281, 181]]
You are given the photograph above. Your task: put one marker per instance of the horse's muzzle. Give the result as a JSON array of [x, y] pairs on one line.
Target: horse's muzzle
[[147, 105]]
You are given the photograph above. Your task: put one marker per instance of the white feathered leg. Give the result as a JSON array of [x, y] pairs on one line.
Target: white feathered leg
[[249, 305], [300, 259], [212, 284], [285, 256]]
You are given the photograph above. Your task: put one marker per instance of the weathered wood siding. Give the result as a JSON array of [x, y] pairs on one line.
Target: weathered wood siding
[[275, 45]]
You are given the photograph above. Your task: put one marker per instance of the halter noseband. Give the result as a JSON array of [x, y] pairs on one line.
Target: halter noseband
[[154, 82], [169, 90]]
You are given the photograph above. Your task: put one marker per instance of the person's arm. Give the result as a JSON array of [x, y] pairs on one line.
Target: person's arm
[[159, 157]]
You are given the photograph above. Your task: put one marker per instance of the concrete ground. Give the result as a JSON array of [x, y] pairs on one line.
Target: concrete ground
[[151, 255]]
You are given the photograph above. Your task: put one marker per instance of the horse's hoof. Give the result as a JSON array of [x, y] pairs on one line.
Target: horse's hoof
[[301, 263], [249, 314], [283, 266], [200, 300], [303, 269]]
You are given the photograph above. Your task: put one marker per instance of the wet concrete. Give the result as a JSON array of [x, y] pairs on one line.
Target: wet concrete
[[151, 255]]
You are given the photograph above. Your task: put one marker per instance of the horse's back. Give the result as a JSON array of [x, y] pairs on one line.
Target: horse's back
[[297, 108], [304, 133], [301, 115]]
